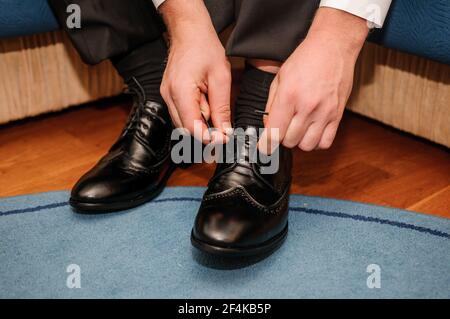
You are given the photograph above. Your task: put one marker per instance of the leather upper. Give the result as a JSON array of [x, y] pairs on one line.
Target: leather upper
[[136, 163], [243, 207]]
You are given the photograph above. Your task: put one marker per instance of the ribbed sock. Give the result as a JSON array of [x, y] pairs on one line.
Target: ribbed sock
[[253, 95], [146, 64]]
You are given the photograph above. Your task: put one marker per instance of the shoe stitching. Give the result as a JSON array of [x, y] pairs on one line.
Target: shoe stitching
[[239, 190]]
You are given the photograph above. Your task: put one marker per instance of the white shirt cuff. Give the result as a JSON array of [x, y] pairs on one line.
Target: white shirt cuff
[[157, 3], [374, 11]]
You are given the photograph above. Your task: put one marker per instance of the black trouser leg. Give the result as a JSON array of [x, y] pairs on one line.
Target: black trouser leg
[[110, 28], [263, 29], [269, 29], [129, 33]]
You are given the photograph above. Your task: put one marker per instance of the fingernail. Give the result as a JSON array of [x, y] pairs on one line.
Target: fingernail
[[229, 131], [219, 138], [206, 136]]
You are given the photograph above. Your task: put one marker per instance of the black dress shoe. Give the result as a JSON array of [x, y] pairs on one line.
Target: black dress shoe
[[244, 212], [136, 167]]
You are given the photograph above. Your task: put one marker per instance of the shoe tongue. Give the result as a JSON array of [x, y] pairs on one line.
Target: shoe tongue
[[250, 131], [246, 144], [244, 152]]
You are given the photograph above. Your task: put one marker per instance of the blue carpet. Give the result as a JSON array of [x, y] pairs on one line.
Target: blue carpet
[[146, 253]]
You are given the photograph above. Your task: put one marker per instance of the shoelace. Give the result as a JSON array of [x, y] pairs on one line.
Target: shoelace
[[142, 109], [244, 149], [242, 156]]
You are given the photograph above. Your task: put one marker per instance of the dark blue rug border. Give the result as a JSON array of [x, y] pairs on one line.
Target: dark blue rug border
[[362, 218]]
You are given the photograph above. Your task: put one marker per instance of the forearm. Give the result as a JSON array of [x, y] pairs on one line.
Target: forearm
[[182, 17], [348, 31]]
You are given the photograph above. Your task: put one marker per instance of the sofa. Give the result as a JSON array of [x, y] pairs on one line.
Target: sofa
[[402, 77]]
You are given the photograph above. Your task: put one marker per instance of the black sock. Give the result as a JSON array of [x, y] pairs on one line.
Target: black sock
[[146, 64], [252, 97]]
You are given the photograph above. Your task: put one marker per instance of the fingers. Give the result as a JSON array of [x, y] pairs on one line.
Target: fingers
[[204, 107], [187, 99], [278, 120], [296, 130], [312, 137], [308, 131], [272, 93], [219, 93], [328, 135], [172, 109], [216, 136], [187, 103]]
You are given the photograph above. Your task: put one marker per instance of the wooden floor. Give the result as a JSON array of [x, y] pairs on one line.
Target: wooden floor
[[368, 163]]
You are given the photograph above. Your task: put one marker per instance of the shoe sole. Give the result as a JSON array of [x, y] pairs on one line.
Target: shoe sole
[[267, 247], [111, 207]]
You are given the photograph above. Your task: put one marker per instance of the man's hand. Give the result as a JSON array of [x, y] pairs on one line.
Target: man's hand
[[308, 96], [197, 79]]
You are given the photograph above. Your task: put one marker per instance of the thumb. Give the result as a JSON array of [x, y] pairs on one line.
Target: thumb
[[272, 93], [270, 138], [204, 107], [219, 93]]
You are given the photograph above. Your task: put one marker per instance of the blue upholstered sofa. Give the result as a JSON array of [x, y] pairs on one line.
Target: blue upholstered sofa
[[24, 17], [421, 27]]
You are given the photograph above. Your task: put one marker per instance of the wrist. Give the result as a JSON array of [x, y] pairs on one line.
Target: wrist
[[186, 19], [344, 29]]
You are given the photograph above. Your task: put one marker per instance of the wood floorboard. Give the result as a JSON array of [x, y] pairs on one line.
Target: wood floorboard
[[368, 162]]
